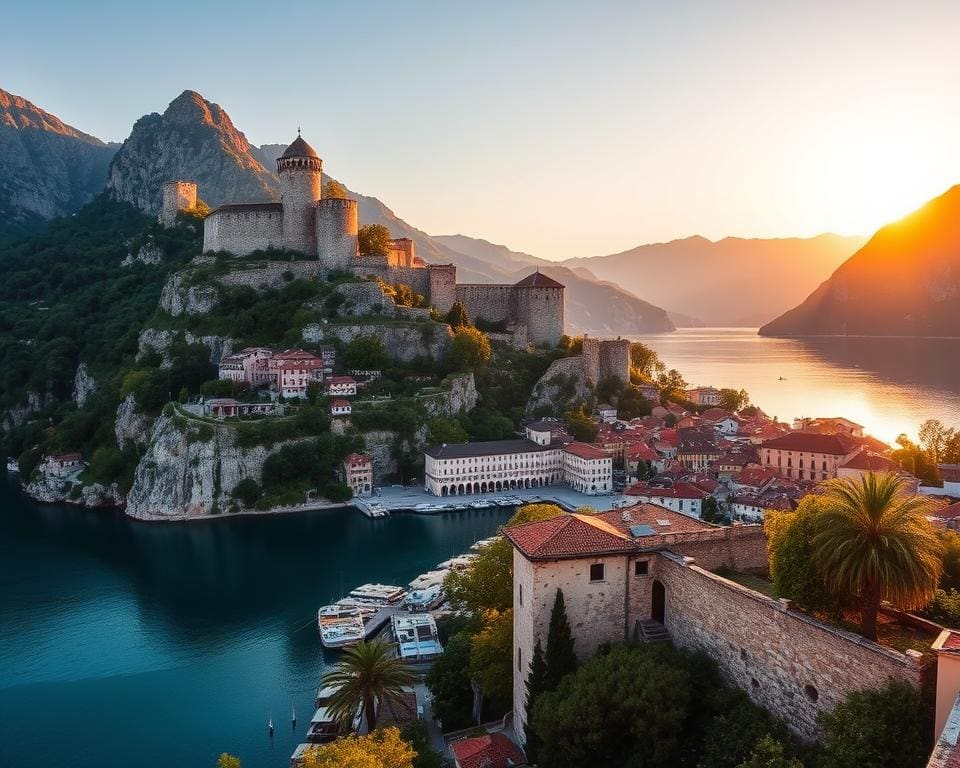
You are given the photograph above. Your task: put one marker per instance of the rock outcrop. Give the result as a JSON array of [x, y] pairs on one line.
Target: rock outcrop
[[189, 469], [380, 446], [563, 385], [47, 168], [160, 341], [181, 298], [458, 395], [193, 140], [148, 253], [57, 490], [131, 424], [904, 282], [18, 414], [84, 385], [404, 342]]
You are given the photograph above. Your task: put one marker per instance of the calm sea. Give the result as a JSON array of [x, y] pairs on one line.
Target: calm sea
[[161, 645], [888, 385]]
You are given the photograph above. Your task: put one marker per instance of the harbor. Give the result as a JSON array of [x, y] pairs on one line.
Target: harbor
[[396, 498]]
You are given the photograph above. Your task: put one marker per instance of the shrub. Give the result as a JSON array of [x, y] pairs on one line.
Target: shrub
[[247, 491]]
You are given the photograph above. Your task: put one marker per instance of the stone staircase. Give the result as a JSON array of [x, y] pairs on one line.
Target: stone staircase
[[650, 631]]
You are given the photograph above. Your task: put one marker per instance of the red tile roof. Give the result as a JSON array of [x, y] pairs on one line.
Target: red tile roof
[[868, 461], [755, 477], [354, 459], [341, 380], [659, 518], [538, 280], [679, 490], [948, 512], [492, 750], [567, 536], [812, 442], [585, 451]]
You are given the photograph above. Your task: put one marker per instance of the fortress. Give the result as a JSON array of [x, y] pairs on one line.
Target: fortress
[[326, 229]]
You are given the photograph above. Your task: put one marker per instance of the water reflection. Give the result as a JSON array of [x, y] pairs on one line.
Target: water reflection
[[888, 385]]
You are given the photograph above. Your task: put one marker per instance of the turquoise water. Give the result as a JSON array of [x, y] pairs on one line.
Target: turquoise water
[[161, 645]]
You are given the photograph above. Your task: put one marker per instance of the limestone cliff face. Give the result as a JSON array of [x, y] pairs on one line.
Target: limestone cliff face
[[47, 168], [131, 424], [55, 490], [193, 140], [459, 395], [180, 298], [154, 340], [84, 385], [404, 343], [563, 384], [189, 470]]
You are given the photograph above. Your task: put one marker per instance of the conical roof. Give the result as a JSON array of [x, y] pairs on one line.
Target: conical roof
[[300, 148]]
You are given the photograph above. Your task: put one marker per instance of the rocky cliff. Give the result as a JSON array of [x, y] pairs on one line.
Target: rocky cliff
[[56, 490], [904, 282], [194, 140], [404, 342], [189, 469], [47, 168]]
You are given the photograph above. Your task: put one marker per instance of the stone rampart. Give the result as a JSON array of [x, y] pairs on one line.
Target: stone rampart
[[337, 227], [493, 303], [615, 359], [243, 232], [541, 310], [443, 286], [789, 663]]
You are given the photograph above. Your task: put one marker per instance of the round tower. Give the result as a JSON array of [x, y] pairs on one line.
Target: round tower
[[336, 235], [178, 196], [300, 170]]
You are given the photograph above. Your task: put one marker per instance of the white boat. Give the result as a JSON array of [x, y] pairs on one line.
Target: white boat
[[13, 466], [425, 599], [416, 636], [429, 579], [338, 633], [458, 563], [484, 542], [323, 726], [384, 594]]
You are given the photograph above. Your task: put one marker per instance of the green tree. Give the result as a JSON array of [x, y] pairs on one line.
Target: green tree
[[934, 437], [491, 655], [644, 362], [769, 753], [536, 685], [873, 542], [335, 189], [337, 491], [449, 683], [367, 675], [671, 384], [886, 728], [627, 707], [446, 430], [793, 570], [951, 560], [378, 749], [373, 240], [530, 513], [366, 353], [228, 761], [418, 737], [734, 400], [710, 510], [487, 584], [457, 317], [247, 491], [560, 656], [581, 424], [470, 349]]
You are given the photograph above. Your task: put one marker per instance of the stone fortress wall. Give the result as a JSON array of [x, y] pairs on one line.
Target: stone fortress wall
[[177, 196], [326, 229], [605, 358]]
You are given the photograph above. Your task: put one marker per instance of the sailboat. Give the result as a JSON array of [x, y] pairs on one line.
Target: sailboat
[[293, 715], [270, 725]]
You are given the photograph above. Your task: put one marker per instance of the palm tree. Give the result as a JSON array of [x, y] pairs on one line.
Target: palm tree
[[874, 542], [367, 675]]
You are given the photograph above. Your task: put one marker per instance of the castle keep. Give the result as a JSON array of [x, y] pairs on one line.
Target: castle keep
[[326, 229]]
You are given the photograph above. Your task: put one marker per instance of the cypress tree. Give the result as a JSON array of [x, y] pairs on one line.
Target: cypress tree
[[561, 660], [536, 684]]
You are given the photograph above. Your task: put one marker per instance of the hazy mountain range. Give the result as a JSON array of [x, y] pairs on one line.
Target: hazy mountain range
[[731, 282], [904, 282], [49, 169]]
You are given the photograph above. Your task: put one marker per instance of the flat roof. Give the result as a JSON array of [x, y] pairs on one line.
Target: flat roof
[[486, 448]]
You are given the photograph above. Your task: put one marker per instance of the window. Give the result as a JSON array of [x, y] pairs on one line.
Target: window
[[521, 594], [596, 572], [641, 568], [519, 657]]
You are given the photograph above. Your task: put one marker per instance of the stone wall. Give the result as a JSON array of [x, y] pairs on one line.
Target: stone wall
[[615, 359], [177, 196], [243, 232], [490, 302], [300, 190], [336, 235], [789, 663], [443, 286], [591, 359], [541, 310]]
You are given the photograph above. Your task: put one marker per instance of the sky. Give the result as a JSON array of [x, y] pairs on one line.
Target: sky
[[558, 129]]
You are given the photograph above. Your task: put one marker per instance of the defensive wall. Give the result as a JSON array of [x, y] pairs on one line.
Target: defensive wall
[[540, 309], [178, 196], [243, 229]]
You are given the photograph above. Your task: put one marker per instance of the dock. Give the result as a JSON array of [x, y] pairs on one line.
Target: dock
[[380, 619]]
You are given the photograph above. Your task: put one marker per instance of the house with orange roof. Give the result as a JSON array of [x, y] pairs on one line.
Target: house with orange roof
[[679, 496], [491, 750]]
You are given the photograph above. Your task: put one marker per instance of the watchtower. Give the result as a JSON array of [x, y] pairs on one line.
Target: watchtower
[[300, 170], [178, 196]]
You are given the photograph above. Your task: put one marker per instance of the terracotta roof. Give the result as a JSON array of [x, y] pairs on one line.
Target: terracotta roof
[[585, 451], [492, 750], [679, 490], [812, 442], [948, 512], [356, 458], [755, 477], [341, 380], [339, 403], [300, 148], [869, 461], [660, 519], [538, 280], [295, 354], [567, 536]]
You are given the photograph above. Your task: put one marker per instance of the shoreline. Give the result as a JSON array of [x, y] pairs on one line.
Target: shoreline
[[852, 336]]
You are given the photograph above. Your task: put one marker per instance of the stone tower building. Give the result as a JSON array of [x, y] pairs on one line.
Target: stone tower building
[[177, 196], [536, 302], [337, 228], [301, 171], [606, 358]]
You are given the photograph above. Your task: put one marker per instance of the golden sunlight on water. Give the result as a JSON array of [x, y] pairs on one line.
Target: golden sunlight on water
[[889, 385]]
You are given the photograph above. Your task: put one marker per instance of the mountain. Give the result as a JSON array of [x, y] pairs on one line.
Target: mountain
[[47, 168], [731, 282], [904, 282], [195, 140], [591, 305]]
